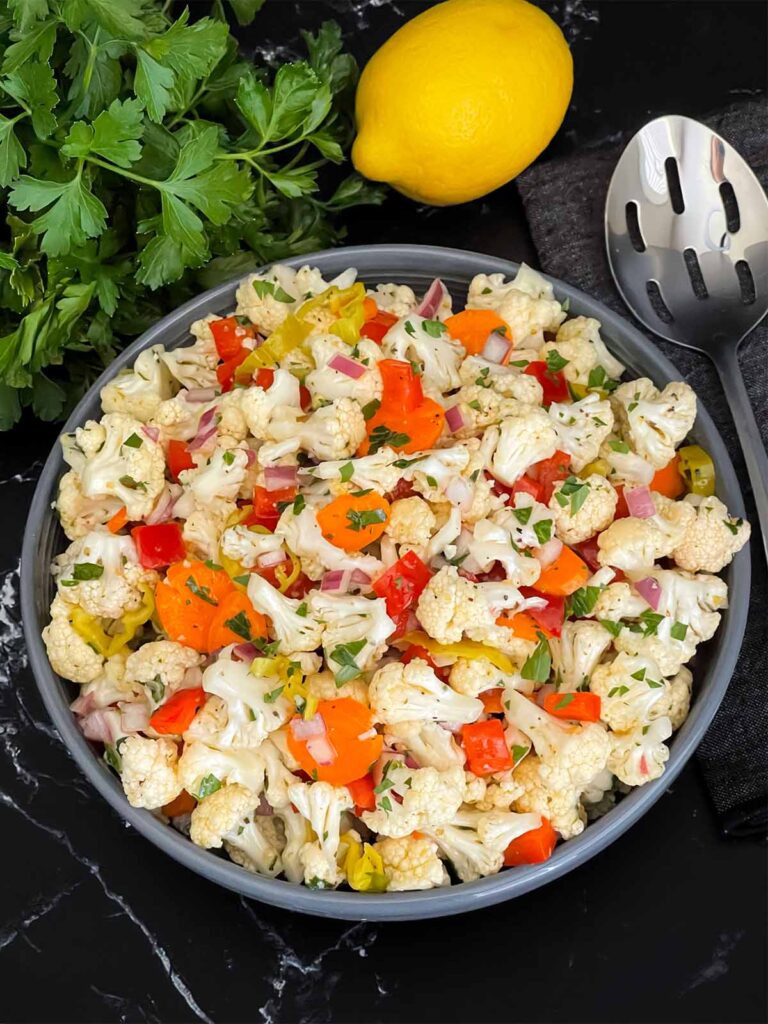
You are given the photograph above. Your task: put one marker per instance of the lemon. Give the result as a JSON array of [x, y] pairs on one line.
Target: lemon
[[461, 99]]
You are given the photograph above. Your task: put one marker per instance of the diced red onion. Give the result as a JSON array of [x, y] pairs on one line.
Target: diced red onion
[[308, 728], [245, 652], [134, 715], [433, 297], [84, 704], [545, 690], [640, 502], [360, 578], [454, 727], [205, 430], [410, 762], [152, 433], [322, 750], [496, 348], [264, 809], [459, 493], [271, 558], [250, 457], [278, 477], [163, 508], [454, 417], [200, 394], [349, 367], [336, 581], [649, 590], [396, 797], [643, 765], [103, 726], [548, 552]]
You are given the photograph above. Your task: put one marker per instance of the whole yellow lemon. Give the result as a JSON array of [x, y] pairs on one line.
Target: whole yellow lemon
[[461, 99]]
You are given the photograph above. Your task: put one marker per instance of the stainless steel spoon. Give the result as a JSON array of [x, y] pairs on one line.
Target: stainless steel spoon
[[686, 227]]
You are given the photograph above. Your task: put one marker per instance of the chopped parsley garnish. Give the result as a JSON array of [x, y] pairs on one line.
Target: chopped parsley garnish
[[156, 689], [619, 446], [302, 609], [539, 664], [409, 328], [371, 408], [264, 288], [431, 481], [134, 441], [618, 691], [369, 517], [639, 675], [543, 530], [271, 697], [202, 592], [240, 625], [522, 515], [614, 628], [87, 571], [650, 622], [575, 489], [555, 361], [678, 630], [210, 784], [474, 404], [242, 580], [346, 471], [434, 328], [733, 527], [582, 602], [133, 485], [382, 435], [210, 564], [229, 458], [565, 700], [519, 752], [344, 655], [112, 757], [298, 504]]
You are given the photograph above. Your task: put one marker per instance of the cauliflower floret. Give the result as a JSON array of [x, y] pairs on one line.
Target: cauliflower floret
[[490, 542], [530, 524], [527, 303], [577, 651], [625, 466], [638, 757], [522, 440], [246, 547], [633, 544], [263, 406], [161, 666], [460, 842], [278, 775], [322, 805], [481, 407], [377, 471], [497, 829], [630, 690], [594, 515], [220, 813], [474, 676], [220, 478], [325, 382], [428, 743], [78, 514], [578, 340], [252, 710], [297, 834], [416, 338], [114, 458], [70, 656], [568, 758], [675, 702], [711, 539], [303, 536], [486, 291], [411, 522], [255, 845], [397, 299], [412, 692], [506, 381], [581, 427], [194, 366], [333, 432], [109, 687], [429, 798], [619, 601], [100, 572], [347, 620], [203, 528], [295, 632], [499, 794], [411, 864], [139, 391], [654, 422], [647, 640], [323, 686], [267, 299], [149, 771], [695, 600], [203, 766]]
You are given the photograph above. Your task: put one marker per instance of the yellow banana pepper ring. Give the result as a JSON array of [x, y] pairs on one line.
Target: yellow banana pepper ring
[[363, 866], [698, 470], [470, 649], [89, 627]]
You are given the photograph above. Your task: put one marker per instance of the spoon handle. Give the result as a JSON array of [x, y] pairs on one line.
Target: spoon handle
[[727, 364]]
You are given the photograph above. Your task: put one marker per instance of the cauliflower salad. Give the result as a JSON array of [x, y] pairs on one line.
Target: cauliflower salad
[[364, 591]]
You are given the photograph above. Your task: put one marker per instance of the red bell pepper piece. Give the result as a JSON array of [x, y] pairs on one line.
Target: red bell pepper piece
[[588, 550], [578, 707], [362, 792], [486, 748], [179, 458], [159, 545], [531, 847], [553, 382], [377, 326], [265, 377], [265, 506], [401, 585], [524, 485], [549, 471], [551, 616], [225, 372], [417, 651], [402, 391], [175, 716], [622, 509], [228, 336], [492, 701]]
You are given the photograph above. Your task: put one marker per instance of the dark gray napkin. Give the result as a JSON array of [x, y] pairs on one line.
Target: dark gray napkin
[[564, 201]]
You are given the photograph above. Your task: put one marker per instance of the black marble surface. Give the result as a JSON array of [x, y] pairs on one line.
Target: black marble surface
[[668, 924]]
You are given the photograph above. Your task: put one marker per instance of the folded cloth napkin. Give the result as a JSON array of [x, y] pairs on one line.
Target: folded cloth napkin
[[564, 201]]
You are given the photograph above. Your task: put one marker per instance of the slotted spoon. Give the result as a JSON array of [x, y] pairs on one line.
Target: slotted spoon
[[686, 225]]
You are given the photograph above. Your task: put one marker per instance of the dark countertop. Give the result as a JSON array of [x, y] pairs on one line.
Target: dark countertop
[[667, 924]]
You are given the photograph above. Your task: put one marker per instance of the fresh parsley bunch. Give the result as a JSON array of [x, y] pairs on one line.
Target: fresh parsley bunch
[[141, 160]]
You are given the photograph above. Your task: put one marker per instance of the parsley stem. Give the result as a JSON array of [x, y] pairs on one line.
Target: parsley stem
[[152, 182]]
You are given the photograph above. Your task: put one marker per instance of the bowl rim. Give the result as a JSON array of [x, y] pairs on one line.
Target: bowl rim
[[631, 346]]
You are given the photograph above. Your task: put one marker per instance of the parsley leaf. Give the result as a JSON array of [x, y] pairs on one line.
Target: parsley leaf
[[383, 435], [555, 361], [358, 520], [539, 664], [210, 784], [346, 471], [543, 530], [202, 592], [582, 602], [434, 328], [344, 655], [240, 625]]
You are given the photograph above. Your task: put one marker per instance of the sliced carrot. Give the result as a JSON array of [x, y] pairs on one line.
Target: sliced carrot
[[523, 626], [577, 707], [235, 621], [411, 431], [118, 520], [472, 326], [184, 803], [492, 701], [567, 573], [531, 847], [187, 601], [353, 521], [370, 309], [669, 481], [213, 582], [348, 725]]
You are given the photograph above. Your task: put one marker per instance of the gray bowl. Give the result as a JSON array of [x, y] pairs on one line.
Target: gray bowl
[[416, 266]]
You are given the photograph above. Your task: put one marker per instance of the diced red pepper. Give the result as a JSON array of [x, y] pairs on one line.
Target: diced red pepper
[[532, 847], [401, 585], [179, 458], [159, 545], [402, 489], [225, 372], [228, 336], [305, 398], [551, 616], [622, 509], [377, 326], [361, 791], [265, 377], [492, 701], [265, 506], [300, 587], [588, 550], [524, 485], [577, 707], [486, 747], [550, 471], [417, 651], [175, 716], [553, 383]]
